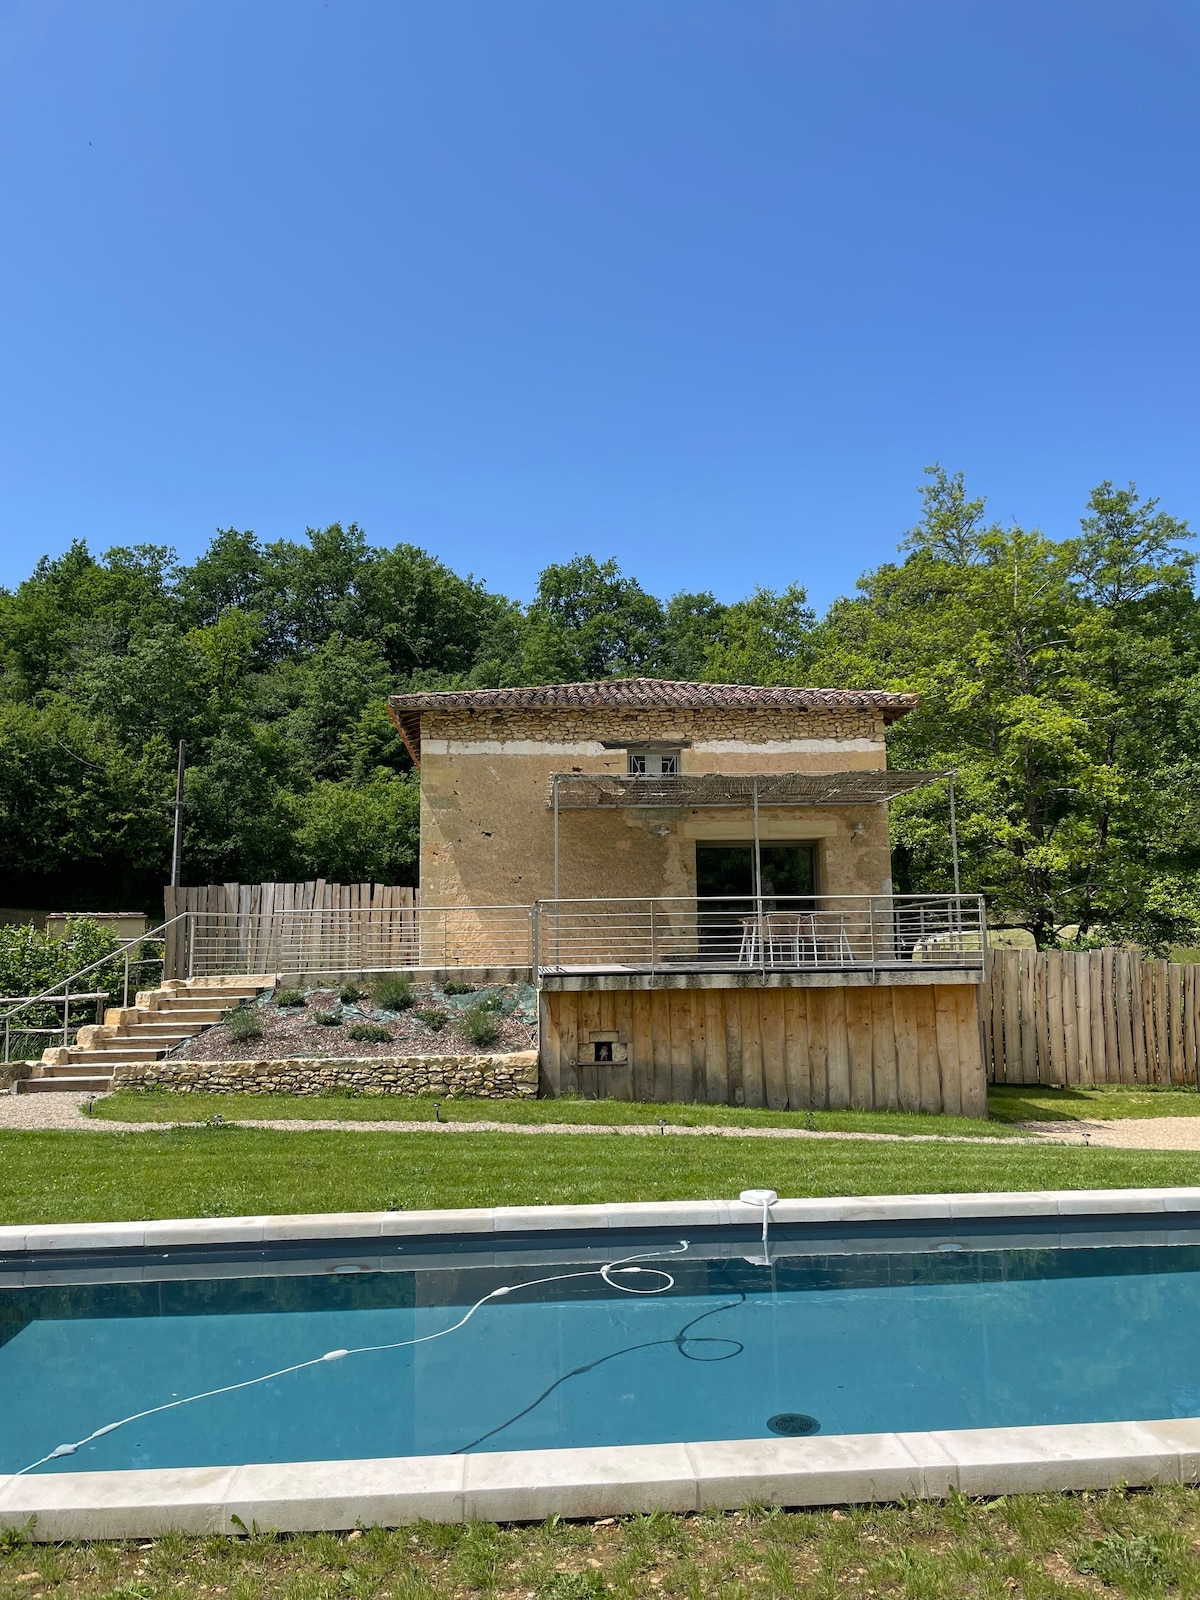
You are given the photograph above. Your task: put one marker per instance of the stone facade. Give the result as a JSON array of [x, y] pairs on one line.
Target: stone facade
[[763, 726], [498, 1077], [487, 832]]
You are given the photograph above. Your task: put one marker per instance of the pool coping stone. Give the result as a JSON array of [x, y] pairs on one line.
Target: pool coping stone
[[41, 1237], [530, 1485]]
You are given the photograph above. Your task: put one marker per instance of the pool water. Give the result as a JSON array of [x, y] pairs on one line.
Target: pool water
[[870, 1340]]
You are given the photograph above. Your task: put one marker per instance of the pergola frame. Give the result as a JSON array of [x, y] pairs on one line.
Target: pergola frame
[[595, 791]]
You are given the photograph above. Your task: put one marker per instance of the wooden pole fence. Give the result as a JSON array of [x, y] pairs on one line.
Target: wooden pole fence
[[1090, 1017]]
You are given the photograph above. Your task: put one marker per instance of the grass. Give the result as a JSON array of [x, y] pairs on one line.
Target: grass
[[153, 1105], [1031, 1547], [1113, 1102], [230, 1171]]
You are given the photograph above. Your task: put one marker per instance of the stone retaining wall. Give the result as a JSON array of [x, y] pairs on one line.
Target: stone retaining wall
[[499, 1077]]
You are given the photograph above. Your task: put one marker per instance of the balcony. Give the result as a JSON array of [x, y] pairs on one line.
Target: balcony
[[917, 936], [656, 936]]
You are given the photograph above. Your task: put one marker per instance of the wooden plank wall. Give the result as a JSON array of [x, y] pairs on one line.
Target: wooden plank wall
[[1092, 1017], [908, 1047], [244, 927]]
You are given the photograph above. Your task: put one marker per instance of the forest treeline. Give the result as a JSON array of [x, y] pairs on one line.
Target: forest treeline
[[1060, 677]]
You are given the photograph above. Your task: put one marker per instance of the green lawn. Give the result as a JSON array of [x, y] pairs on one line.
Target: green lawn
[[1027, 1547], [1006, 1106], [1111, 1103], [157, 1105], [231, 1171]]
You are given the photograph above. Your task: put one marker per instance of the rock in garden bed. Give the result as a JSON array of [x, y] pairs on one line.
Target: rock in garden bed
[[395, 1018]]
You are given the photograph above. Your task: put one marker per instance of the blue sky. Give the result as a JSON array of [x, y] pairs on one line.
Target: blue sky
[[701, 284]]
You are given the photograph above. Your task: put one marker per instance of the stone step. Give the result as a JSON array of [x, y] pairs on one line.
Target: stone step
[[192, 1013], [232, 991], [159, 1030], [165, 1016], [205, 999], [121, 1051], [76, 1083]]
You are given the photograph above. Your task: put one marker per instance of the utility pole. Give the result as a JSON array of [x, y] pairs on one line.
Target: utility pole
[[177, 842]]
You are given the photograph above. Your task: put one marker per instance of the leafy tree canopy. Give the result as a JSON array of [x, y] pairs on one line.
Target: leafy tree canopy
[[1060, 678]]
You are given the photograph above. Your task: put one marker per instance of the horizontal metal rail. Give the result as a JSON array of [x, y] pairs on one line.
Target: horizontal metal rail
[[358, 939], [62, 1031], [648, 933], [797, 933]]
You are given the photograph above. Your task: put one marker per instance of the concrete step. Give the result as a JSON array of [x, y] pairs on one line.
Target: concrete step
[[228, 988], [161, 998]]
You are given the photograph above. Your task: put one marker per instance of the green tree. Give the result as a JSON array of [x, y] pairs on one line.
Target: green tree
[[1027, 666], [75, 607], [237, 822], [357, 833], [85, 821], [228, 577], [589, 621], [765, 639]]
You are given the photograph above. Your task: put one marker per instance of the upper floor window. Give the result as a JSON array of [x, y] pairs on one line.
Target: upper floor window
[[653, 764]]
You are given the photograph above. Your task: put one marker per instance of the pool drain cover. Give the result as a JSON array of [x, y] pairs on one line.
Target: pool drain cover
[[793, 1424]]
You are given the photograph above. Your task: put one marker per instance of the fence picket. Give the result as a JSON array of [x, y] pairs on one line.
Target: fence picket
[[1055, 1069], [1162, 1039]]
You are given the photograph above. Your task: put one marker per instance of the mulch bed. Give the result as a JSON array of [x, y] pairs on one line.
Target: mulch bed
[[293, 1031]]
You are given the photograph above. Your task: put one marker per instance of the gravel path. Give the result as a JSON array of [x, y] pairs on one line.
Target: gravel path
[[64, 1113], [1126, 1133]]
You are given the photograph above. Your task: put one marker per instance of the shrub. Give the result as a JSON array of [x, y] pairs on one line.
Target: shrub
[[436, 1020], [329, 1019], [458, 988], [478, 1023], [31, 961], [391, 992], [244, 1024], [369, 1033], [289, 997], [350, 994]]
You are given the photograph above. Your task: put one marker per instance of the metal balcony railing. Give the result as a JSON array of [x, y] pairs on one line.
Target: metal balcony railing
[[357, 939], [796, 933]]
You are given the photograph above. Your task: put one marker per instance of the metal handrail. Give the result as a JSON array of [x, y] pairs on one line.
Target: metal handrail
[[64, 1027]]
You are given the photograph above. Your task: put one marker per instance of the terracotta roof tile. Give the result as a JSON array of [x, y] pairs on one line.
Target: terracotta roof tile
[[654, 694], [640, 694]]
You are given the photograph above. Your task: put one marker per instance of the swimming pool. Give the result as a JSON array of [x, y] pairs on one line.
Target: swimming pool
[[152, 1357]]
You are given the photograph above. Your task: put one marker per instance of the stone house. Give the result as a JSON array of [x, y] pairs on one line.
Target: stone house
[[488, 759], [708, 875]]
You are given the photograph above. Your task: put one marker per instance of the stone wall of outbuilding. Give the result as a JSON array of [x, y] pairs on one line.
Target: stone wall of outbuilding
[[487, 833]]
